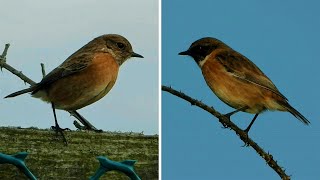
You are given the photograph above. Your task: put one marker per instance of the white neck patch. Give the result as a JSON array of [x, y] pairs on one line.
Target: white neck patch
[[201, 63]]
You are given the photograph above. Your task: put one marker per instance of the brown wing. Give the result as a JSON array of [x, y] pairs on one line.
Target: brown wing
[[242, 68], [74, 64]]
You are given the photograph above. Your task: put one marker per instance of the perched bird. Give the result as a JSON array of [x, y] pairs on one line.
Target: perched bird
[[237, 81], [84, 77]]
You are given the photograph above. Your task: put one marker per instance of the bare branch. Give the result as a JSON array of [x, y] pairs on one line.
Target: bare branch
[[43, 70], [6, 66], [229, 124], [4, 53]]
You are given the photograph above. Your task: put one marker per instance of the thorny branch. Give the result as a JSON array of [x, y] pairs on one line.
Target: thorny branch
[[23, 77], [229, 124]]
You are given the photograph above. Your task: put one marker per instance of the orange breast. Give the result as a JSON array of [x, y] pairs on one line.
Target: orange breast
[[87, 86], [233, 91]]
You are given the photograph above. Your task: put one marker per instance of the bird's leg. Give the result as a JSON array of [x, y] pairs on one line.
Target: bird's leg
[[246, 144], [57, 127], [87, 124], [228, 115], [251, 123]]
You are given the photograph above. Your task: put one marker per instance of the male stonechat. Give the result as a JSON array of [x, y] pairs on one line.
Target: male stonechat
[[237, 81]]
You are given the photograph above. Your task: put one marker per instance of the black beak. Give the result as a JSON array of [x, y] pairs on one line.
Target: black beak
[[136, 55], [184, 53]]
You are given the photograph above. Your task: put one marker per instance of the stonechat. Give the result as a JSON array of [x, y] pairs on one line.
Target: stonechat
[[84, 77], [237, 81]]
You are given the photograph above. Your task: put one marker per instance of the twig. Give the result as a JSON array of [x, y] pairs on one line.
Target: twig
[[23, 77], [4, 53], [227, 123], [6, 66], [43, 70]]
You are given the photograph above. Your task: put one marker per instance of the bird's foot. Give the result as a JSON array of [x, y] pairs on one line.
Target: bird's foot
[[247, 130], [89, 128], [60, 130], [228, 115], [246, 138]]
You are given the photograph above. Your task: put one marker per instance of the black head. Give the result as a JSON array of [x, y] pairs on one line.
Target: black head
[[203, 47]]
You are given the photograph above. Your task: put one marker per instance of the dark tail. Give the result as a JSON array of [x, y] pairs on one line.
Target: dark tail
[[296, 113], [30, 89]]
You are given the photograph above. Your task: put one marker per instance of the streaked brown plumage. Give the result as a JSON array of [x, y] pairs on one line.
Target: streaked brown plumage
[[84, 77], [237, 81]]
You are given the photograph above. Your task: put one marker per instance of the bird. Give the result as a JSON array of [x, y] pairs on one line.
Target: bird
[[85, 76], [237, 81]]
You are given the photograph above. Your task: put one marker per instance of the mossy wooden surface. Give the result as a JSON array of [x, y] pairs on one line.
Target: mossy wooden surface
[[49, 158]]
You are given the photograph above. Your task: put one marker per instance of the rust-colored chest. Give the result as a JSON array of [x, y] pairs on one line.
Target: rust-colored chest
[[87, 86]]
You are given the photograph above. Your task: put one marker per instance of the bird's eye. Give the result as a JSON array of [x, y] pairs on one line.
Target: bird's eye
[[120, 45]]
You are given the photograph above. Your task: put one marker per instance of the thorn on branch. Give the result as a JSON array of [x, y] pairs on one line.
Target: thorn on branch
[[246, 144]]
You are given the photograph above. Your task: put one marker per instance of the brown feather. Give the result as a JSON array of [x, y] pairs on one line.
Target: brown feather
[[242, 68]]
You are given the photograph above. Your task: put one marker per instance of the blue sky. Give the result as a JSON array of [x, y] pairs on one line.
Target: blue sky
[[282, 38], [49, 32]]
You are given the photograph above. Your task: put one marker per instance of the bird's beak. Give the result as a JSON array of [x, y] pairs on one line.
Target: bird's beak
[[184, 53], [136, 55]]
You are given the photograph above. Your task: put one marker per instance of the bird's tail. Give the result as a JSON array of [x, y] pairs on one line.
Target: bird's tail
[[296, 113], [23, 91]]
